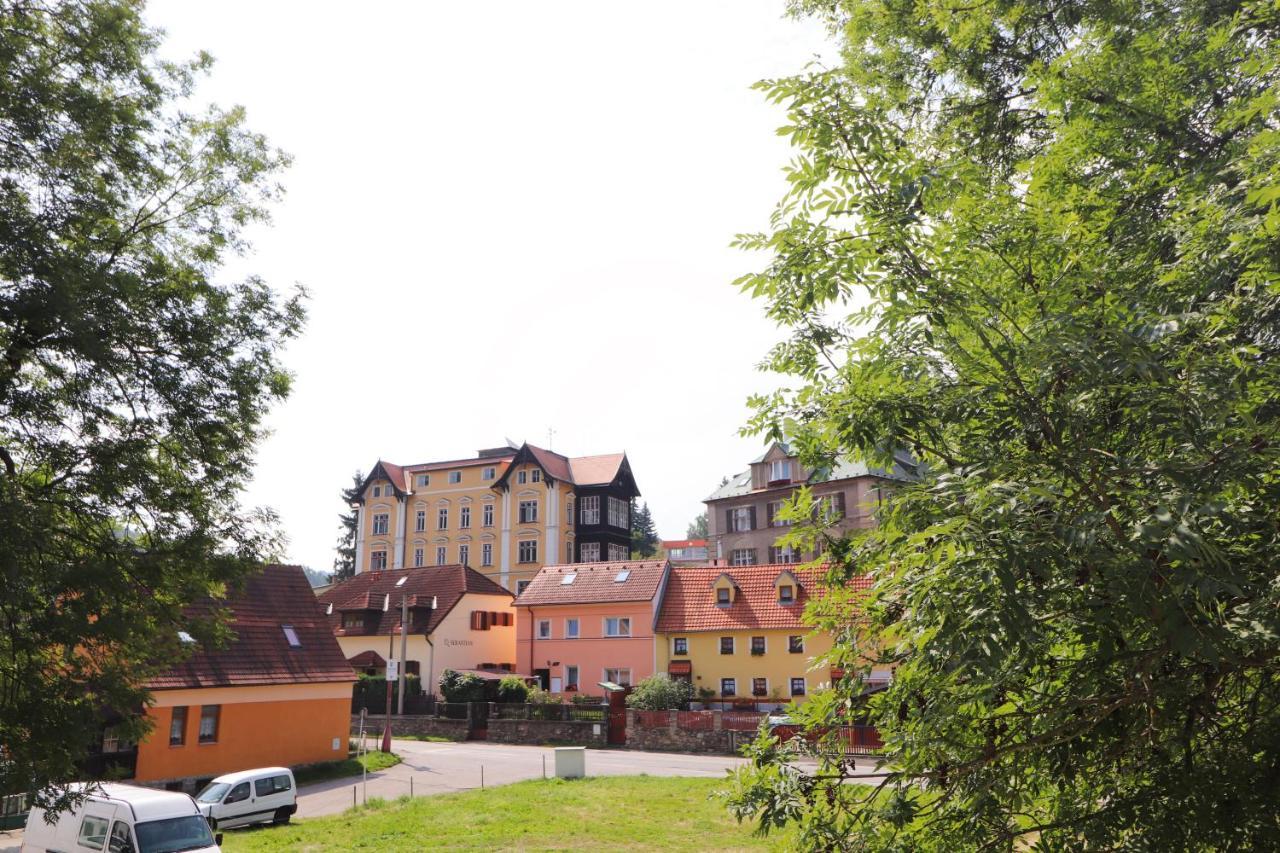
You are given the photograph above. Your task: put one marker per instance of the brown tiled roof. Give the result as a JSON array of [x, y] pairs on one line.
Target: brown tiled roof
[[690, 604], [595, 583], [395, 474], [595, 470], [260, 653], [366, 592], [553, 463], [495, 461]]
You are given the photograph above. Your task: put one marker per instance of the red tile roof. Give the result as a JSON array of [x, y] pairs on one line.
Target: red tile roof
[[260, 653], [690, 604], [684, 543], [553, 463], [495, 461], [595, 583], [367, 592], [595, 470], [395, 474]]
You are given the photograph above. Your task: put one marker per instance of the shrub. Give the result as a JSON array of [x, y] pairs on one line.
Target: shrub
[[585, 699], [512, 689], [706, 695], [461, 686], [660, 693], [538, 696]]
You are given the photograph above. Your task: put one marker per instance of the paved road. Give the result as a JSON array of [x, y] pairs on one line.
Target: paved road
[[437, 768]]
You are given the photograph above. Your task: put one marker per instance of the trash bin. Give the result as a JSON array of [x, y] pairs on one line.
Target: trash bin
[[571, 762]]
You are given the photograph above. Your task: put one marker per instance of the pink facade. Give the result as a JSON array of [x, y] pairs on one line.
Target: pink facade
[[613, 642]]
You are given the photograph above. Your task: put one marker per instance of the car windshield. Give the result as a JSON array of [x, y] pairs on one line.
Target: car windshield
[[213, 792], [173, 835]]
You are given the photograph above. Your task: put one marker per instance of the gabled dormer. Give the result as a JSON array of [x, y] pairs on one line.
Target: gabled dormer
[[777, 467], [724, 590], [786, 588], [532, 465]]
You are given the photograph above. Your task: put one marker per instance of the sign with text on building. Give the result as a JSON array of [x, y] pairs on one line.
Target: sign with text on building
[[393, 669]]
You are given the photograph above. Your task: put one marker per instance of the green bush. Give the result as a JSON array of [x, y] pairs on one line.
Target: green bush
[[461, 686], [586, 699], [660, 693], [512, 689], [538, 696]]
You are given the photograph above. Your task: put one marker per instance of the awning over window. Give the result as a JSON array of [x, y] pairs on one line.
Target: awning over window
[[680, 667], [367, 660]]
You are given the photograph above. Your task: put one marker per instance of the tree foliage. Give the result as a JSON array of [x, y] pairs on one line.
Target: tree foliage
[[697, 528], [644, 536], [133, 378], [661, 693], [344, 564], [1036, 244], [461, 686]]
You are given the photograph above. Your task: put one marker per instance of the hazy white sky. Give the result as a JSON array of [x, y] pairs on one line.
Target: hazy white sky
[[511, 217]]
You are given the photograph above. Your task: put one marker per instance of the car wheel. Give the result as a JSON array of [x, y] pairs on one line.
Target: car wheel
[[282, 816]]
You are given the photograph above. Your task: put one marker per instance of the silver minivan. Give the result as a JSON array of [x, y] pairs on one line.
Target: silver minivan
[[265, 795]]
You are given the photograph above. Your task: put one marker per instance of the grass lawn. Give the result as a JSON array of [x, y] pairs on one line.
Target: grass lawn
[[603, 813], [340, 769]]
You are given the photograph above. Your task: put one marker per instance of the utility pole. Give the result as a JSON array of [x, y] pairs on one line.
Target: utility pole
[[404, 640], [391, 639]]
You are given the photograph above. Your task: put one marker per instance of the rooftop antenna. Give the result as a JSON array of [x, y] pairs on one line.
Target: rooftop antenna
[[550, 435]]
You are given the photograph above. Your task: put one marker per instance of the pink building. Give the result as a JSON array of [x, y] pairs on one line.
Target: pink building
[[581, 624]]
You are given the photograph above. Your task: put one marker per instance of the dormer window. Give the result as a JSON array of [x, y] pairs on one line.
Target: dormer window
[[786, 593], [423, 480], [522, 477], [352, 620], [780, 471], [724, 595], [536, 475]]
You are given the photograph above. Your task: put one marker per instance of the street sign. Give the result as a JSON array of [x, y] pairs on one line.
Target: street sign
[[393, 669]]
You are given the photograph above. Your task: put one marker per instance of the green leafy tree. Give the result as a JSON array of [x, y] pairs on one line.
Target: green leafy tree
[[644, 536], [698, 527], [661, 693], [344, 564], [512, 689], [1037, 245], [134, 375], [461, 686]]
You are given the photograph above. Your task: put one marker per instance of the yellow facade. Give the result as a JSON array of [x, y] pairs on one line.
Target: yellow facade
[[452, 514], [778, 665]]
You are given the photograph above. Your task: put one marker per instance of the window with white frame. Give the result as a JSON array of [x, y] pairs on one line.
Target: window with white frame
[[442, 518], [486, 515], [759, 687], [780, 469], [420, 520], [544, 629], [758, 646], [381, 521], [774, 511], [783, 554], [618, 552], [527, 552], [568, 512], [442, 554], [464, 555], [680, 646], [419, 557], [831, 508], [570, 677], [590, 552], [786, 593], [536, 475], [377, 491], [742, 556], [486, 554], [617, 626], [571, 629], [488, 473], [464, 517], [377, 560], [455, 477], [726, 645], [621, 675], [589, 509], [522, 477], [619, 513], [728, 687], [797, 687], [742, 519], [528, 512]]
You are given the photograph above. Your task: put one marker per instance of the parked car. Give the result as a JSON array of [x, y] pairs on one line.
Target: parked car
[[123, 819], [267, 794]]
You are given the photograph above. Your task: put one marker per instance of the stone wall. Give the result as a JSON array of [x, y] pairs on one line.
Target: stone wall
[[674, 738], [535, 732], [412, 724]]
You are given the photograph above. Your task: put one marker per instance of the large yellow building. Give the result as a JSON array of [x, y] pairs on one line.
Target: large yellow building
[[738, 631], [506, 513]]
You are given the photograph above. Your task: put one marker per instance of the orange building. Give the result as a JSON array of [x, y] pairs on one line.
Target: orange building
[[278, 694]]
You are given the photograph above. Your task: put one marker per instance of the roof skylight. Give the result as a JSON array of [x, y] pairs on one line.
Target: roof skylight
[[292, 636], [184, 637], [621, 577], [402, 580], [568, 579]]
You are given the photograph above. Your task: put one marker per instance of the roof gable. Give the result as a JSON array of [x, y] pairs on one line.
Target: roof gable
[[689, 604], [370, 591]]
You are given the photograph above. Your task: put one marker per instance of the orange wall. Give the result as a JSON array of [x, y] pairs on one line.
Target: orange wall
[[250, 734]]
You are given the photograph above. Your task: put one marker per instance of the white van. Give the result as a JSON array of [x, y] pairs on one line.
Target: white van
[[249, 796], [123, 819]]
